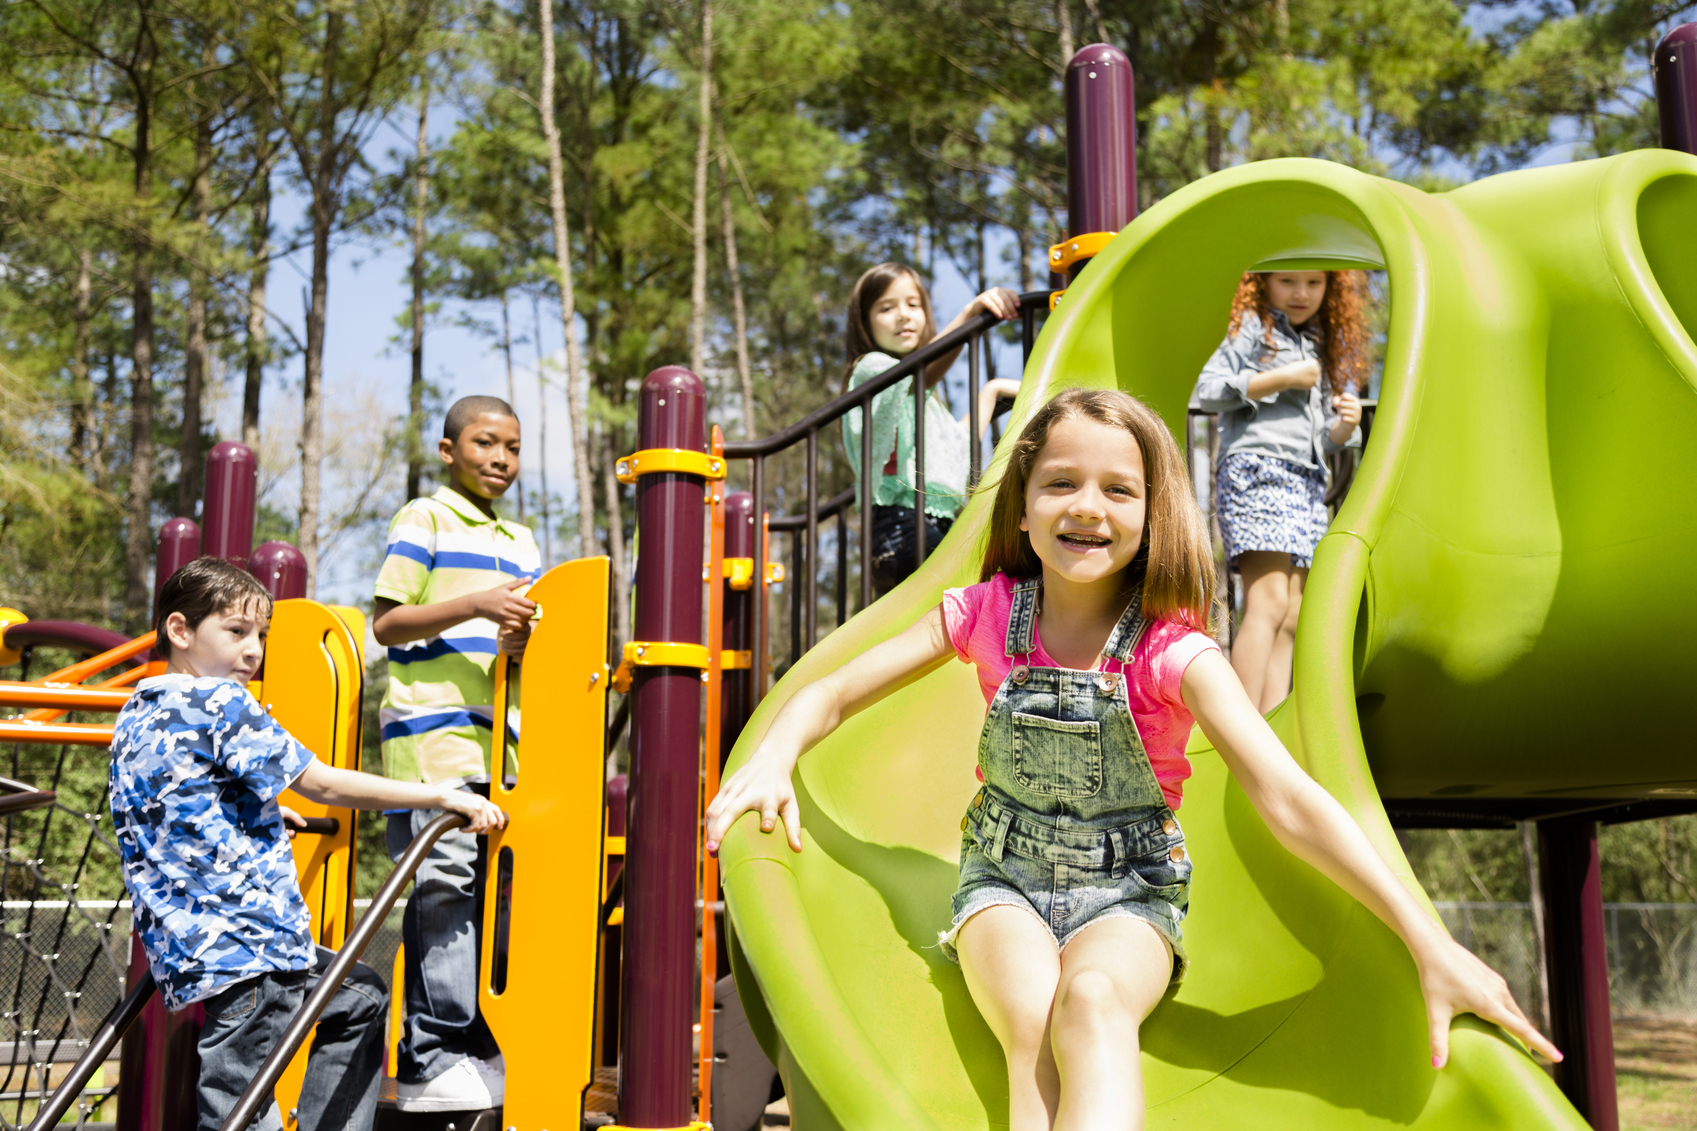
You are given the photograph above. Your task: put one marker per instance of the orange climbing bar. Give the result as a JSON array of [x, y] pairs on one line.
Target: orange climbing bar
[[61, 696], [94, 665], [76, 734]]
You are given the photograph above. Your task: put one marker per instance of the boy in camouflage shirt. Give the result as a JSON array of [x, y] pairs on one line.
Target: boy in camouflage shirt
[[197, 767]]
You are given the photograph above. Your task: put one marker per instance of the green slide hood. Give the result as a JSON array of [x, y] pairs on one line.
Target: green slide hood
[[1534, 457]]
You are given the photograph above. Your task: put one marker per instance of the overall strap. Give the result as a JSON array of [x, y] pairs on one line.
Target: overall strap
[[1022, 617], [1128, 632]]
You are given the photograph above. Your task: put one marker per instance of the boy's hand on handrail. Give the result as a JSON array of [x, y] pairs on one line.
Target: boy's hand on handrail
[[483, 813], [291, 821]]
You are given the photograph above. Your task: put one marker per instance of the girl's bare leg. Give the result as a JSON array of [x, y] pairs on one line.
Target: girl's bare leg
[[1266, 591], [1284, 644], [1012, 970], [1112, 975]]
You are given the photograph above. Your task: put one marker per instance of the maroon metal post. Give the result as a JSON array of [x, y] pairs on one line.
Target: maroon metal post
[[179, 544], [1101, 105], [281, 569], [736, 686], [159, 1061], [665, 745], [232, 475], [1576, 947], [1674, 64]]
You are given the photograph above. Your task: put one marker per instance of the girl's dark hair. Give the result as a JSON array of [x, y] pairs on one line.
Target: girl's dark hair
[[867, 290], [1341, 322], [203, 588], [1176, 559]]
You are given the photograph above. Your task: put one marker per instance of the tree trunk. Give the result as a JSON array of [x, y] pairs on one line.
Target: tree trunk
[[81, 390], [575, 407], [507, 352], [194, 350], [138, 539], [1094, 7], [415, 391], [1063, 25], [616, 540], [260, 251], [542, 430], [312, 393], [698, 285], [734, 270], [1535, 886]]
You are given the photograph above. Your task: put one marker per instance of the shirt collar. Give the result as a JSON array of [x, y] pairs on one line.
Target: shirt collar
[[462, 506]]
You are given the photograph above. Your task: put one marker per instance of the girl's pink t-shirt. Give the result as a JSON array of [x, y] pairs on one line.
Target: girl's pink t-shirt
[[977, 621]]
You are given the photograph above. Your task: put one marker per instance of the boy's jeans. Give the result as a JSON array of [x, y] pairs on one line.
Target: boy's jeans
[[441, 928], [244, 1021]]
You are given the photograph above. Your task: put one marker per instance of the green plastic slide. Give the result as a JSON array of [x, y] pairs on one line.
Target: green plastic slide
[[1498, 610]]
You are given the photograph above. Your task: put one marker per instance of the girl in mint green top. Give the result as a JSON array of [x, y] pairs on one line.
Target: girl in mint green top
[[889, 317]]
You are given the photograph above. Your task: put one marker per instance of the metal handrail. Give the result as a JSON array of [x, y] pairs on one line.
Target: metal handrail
[[806, 430], [100, 1047], [266, 1078]]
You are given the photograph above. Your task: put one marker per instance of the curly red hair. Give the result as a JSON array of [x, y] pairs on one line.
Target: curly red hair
[[1341, 321]]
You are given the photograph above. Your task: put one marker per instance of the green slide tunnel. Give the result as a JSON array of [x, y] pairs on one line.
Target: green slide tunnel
[[1496, 612]]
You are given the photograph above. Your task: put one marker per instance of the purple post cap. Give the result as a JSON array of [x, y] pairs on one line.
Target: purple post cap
[[674, 410], [1101, 110], [232, 475], [281, 569], [179, 544], [1674, 65], [739, 525]]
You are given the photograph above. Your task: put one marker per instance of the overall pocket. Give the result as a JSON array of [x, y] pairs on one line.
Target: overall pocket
[[1057, 758]]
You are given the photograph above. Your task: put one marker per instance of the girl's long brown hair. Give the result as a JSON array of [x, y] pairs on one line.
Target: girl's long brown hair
[[1341, 321], [1176, 559], [867, 290]]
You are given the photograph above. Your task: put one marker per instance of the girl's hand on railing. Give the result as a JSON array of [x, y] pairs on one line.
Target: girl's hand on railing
[[764, 787], [999, 301]]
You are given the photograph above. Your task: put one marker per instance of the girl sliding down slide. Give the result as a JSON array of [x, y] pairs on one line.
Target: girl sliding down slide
[[1074, 878]]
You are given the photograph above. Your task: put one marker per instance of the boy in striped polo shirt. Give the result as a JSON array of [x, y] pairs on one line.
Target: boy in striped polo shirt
[[447, 600]]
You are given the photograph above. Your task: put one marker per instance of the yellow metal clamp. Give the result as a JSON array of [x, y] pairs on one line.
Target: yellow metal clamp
[[732, 660], [739, 572], [651, 461], [1055, 299], [659, 654], [1068, 252]]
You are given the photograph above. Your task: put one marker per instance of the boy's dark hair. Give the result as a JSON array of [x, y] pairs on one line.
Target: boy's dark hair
[[467, 409], [203, 588]]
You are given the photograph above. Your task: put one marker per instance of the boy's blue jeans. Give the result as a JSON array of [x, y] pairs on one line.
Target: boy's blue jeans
[[441, 928], [244, 1021]]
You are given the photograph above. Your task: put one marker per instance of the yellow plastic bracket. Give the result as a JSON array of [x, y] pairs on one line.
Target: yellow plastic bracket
[[659, 654], [774, 572], [651, 461], [732, 660], [1068, 252], [1055, 299], [739, 572]]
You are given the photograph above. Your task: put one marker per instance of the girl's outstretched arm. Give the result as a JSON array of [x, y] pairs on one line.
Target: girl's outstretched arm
[[1311, 824], [763, 783]]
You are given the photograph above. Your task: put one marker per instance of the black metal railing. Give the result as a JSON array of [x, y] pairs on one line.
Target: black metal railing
[[99, 1050], [259, 1088], [803, 527]]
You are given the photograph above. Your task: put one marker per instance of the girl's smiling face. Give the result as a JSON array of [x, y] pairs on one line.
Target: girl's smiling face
[[1085, 501], [1297, 293], [897, 317]]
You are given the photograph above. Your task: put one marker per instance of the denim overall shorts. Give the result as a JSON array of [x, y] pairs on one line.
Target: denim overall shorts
[[1070, 823]]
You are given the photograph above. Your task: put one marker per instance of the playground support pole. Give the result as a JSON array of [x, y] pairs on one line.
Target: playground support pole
[[281, 569], [1579, 968], [1101, 108], [232, 474], [736, 696], [1674, 64], [179, 544], [659, 932]]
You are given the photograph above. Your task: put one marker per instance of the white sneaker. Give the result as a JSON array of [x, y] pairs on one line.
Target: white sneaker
[[469, 1085]]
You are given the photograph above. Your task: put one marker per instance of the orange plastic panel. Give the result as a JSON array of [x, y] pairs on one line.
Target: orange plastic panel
[[544, 1018], [313, 680]]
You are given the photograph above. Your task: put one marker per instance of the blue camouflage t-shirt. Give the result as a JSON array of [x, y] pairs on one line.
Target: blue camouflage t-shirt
[[197, 765]]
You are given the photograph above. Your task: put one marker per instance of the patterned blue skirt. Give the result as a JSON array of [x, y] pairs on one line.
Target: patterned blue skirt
[[1271, 504]]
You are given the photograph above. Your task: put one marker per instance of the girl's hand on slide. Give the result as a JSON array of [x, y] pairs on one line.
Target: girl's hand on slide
[[1348, 407], [999, 301], [769, 793], [1454, 981]]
